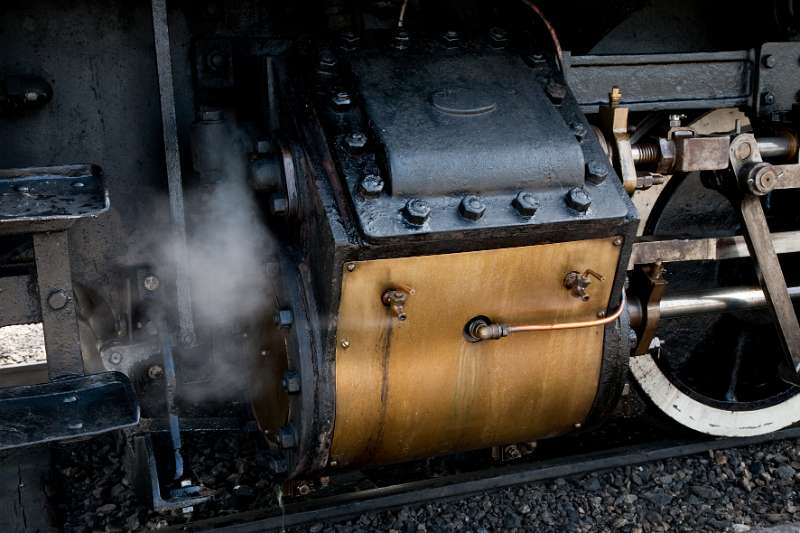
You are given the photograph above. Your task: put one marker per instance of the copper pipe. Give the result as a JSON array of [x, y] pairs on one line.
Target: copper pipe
[[496, 331]]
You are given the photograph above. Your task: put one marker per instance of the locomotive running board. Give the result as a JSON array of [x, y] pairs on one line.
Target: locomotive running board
[[65, 409]]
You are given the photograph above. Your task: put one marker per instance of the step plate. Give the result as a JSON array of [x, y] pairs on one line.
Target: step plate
[[68, 408]]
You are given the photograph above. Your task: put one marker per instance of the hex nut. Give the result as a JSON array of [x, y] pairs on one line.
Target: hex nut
[[327, 59], [416, 211], [451, 38], [401, 39], [472, 207], [291, 382], [341, 100], [769, 61], [526, 204], [596, 171], [356, 141], [767, 98], [284, 318], [57, 299], [578, 199], [115, 358], [371, 185], [155, 372], [579, 130], [498, 36]]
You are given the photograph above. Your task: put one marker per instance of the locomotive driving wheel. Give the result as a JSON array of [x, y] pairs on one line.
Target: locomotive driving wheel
[[720, 374]]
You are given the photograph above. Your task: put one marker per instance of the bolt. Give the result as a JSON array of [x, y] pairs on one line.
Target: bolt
[[345, 344], [327, 59], [303, 489], [291, 382], [209, 115], [284, 318], [578, 199], [287, 437], [188, 339], [371, 185], [498, 36], [743, 151], [341, 100], [416, 211], [617, 241], [767, 98], [579, 130], [555, 91], [769, 61], [155, 372], [450, 38], [151, 282], [278, 204], [356, 142], [350, 267], [525, 203], [349, 41], [115, 358], [401, 39], [596, 171], [215, 60], [472, 207], [57, 299]]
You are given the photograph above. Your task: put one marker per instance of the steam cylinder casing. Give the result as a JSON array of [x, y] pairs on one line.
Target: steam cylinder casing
[[349, 382]]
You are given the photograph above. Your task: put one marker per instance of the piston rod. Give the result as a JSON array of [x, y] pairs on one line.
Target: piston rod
[[710, 301]]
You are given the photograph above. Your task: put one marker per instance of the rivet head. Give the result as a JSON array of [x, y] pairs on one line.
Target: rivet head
[[578, 199], [57, 299], [526, 204], [769, 61], [115, 358], [371, 185], [617, 241], [472, 207], [345, 344], [416, 211], [350, 267]]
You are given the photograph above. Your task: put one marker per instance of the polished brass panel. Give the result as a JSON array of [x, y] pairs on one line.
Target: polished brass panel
[[417, 387]]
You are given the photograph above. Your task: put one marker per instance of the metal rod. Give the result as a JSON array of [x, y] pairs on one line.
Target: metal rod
[[709, 249], [173, 164], [778, 147], [710, 301]]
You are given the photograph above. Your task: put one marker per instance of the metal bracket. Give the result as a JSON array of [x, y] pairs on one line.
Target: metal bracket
[[747, 166]]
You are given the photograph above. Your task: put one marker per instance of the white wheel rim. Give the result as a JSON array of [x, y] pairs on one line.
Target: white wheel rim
[[710, 420]]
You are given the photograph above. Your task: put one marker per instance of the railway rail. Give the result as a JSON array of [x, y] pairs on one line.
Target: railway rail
[[343, 506]]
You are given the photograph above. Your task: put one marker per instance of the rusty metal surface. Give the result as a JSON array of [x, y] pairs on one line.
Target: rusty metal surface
[[417, 387], [708, 249], [701, 153]]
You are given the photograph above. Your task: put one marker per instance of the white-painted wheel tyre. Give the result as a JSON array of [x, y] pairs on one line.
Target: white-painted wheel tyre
[[707, 419]]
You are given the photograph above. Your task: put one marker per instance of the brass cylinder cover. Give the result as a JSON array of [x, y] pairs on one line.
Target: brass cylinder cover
[[418, 387]]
